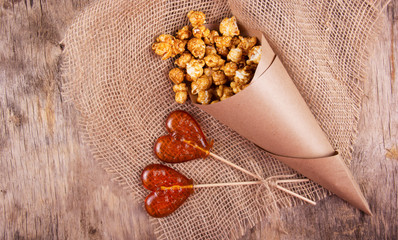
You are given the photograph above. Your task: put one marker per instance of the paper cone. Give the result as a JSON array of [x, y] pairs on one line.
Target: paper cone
[[271, 113]]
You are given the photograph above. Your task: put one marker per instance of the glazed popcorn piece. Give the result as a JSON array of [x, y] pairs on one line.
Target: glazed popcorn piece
[[236, 87], [195, 68], [243, 75], [214, 64], [210, 50], [230, 69], [196, 18], [209, 40], [188, 78], [181, 91], [223, 41], [224, 92], [229, 27], [208, 71], [197, 47], [182, 61], [166, 38], [204, 97], [223, 51], [254, 55], [184, 33], [214, 61], [179, 46], [235, 55], [164, 50], [201, 32], [235, 41], [219, 77], [203, 83], [176, 75], [246, 43]]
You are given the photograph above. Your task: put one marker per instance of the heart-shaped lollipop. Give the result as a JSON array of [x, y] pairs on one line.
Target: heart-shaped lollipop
[[186, 142], [170, 188], [162, 202]]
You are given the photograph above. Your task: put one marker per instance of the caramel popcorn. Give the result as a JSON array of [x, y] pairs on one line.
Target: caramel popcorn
[[243, 75], [214, 60], [236, 87], [235, 55], [188, 78], [210, 50], [165, 50], [182, 61], [242, 64], [204, 97], [215, 64], [203, 83], [209, 40], [165, 46], [184, 33], [220, 90], [195, 68], [179, 46], [224, 92], [229, 27], [181, 87], [230, 69], [166, 38], [246, 43], [196, 18], [223, 51], [219, 77], [181, 91], [223, 41], [254, 55], [235, 41], [197, 47], [201, 32], [176, 75], [207, 71]]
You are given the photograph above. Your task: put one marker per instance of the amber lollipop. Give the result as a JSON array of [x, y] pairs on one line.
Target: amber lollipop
[[170, 189], [186, 142]]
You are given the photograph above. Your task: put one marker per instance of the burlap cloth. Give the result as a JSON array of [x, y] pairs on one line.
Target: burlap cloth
[[123, 94]]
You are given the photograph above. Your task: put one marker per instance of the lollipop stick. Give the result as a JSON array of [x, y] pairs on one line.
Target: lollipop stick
[[249, 183], [262, 182], [295, 194], [226, 184], [223, 160], [234, 166]]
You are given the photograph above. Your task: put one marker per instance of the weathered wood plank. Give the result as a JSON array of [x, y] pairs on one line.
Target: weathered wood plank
[[51, 188]]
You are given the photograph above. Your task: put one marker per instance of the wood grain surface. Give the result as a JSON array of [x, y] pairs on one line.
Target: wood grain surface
[[51, 188]]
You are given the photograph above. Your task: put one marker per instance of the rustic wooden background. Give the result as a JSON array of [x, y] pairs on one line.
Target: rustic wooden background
[[50, 187]]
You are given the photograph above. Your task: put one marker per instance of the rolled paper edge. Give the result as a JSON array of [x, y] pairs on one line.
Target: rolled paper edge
[[335, 177]]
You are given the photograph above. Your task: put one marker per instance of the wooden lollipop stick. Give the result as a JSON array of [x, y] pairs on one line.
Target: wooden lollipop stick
[[244, 183], [224, 160], [262, 182], [295, 194], [248, 183], [226, 184], [235, 166]]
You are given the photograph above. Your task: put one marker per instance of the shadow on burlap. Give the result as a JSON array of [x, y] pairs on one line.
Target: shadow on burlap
[[122, 92]]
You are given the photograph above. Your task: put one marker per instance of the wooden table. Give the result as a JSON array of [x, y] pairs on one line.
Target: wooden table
[[51, 188]]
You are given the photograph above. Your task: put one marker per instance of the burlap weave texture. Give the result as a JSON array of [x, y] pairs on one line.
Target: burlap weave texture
[[123, 94]]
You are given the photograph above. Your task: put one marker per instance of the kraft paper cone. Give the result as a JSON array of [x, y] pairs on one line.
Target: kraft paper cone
[[271, 113]]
